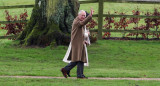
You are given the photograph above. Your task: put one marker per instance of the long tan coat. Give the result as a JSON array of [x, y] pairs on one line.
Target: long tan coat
[[77, 40]]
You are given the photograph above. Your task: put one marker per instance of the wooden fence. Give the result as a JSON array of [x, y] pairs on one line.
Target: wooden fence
[[100, 15], [15, 7]]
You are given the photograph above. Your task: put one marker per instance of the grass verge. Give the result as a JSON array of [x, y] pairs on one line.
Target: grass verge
[[76, 82], [107, 58]]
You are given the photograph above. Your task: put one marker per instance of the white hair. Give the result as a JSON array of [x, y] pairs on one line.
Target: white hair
[[81, 12]]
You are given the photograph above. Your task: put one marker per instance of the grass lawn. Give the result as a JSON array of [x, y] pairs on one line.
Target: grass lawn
[[111, 7], [2, 32], [15, 11], [107, 58], [126, 8], [16, 2], [72, 82]]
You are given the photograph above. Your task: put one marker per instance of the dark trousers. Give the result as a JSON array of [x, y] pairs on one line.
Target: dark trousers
[[80, 67]]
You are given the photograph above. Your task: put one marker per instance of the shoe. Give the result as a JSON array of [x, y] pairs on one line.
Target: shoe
[[64, 72], [82, 77], [68, 73]]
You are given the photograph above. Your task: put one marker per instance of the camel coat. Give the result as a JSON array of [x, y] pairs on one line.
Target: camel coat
[[77, 50]]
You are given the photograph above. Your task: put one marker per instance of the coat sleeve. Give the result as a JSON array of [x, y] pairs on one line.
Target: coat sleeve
[[85, 21]]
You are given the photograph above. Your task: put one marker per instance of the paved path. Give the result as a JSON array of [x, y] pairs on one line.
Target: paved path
[[98, 78]]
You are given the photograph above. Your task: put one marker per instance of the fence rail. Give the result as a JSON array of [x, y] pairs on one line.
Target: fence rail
[[134, 1], [130, 31], [8, 37], [95, 15], [121, 1], [128, 16], [9, 22], [87, 1], [16, 6]]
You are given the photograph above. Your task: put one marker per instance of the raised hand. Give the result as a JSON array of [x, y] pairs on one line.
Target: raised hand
[[92, 11]]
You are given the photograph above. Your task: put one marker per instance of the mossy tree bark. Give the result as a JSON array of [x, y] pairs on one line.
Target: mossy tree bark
[[50, 23]]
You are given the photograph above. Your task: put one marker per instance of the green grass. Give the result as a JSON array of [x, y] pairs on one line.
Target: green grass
[[73, 82], [107, 58], [120, 7], [16, 11], [16, 2], [2, 32], [111, 7]]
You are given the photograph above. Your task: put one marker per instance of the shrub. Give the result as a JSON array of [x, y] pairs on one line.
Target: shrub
[[15, 28]]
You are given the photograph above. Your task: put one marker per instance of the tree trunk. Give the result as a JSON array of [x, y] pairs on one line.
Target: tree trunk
[[50, 23]]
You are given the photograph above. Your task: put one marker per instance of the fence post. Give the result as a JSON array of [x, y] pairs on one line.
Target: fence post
[[100, 19]]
